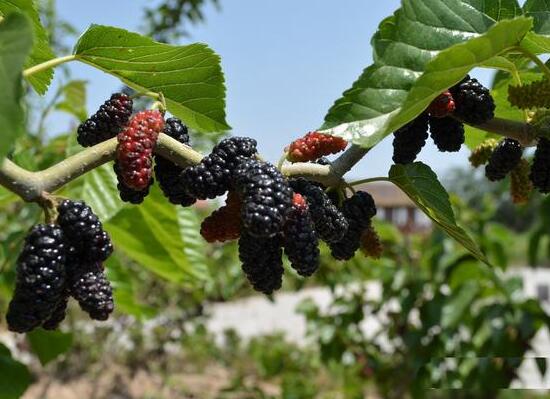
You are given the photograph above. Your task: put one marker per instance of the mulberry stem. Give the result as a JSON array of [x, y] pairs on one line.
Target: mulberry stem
[[48, 64]]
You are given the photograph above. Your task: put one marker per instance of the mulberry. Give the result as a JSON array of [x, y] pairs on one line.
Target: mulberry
[[224, 224], [266, 195], [40, 282], [540, 171], [474, 103], [315, 145], [520, 184], [359, 210], [532, 95], [212, 177], [300, 239], [83, 230], [442, 106], [128, 194], [92, 290], [167, 172], [107, 122], [135, 148], [504, 159], [447, 134], [262, 261], [370, 243], [58, 314], [481, 154], [409, 140], [330, 223]]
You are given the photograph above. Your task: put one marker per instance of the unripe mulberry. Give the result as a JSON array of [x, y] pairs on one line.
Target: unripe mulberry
[[126, 193], [442, 106], [532, 95], [58, 315], [213, 176], [300, 239], [409, 140], [481, 154], [540, 171], [266, 196], [315, 145], [262, 261], [92, 290], [447, 134], [224, 224], [330, 223], [40, 282], [83, 231], [520, 184], [370, 243], [167, 172], [359, 210], [474, 103], [107, 122], [504, 159], [135, 148]]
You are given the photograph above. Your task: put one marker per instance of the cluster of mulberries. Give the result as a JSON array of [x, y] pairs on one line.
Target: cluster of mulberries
[[468, 101], [57, 261], [314, 145]]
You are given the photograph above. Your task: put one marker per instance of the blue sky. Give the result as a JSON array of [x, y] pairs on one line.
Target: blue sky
[[285, 63]]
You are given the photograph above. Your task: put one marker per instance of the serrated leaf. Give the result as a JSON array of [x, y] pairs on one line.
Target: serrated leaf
[[41, 51], [425, 48], [48, 345], [190, 77], [193, 243], [15, 45], [15, 377], [99, 190], [74, 99], [420, 183]]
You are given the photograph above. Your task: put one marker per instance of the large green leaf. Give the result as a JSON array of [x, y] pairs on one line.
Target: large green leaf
[[15, 378], [420, 183], [15, 45], [99, 190], [193, 243], [48, 345], [41, 51], [74, 99], [540, 11], [190, 77], [426, 47]]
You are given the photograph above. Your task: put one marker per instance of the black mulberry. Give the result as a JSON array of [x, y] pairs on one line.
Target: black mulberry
[[409, 140], [92, 290], [447, 134], [473, 101], [505, 157], [540, 170], [58, 314]]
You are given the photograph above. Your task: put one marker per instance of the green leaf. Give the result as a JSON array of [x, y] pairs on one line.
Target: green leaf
[[420, 183], [454, 309], [99, 190], [193, 243], [15, 378], [48, 345], [74, 99], [41, 51], [540, 11], [190, 77], [15, 44], [425, 48]]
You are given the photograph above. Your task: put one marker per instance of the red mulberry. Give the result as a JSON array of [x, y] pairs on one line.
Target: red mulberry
[[315, 145], [442, 106], [224, 224]]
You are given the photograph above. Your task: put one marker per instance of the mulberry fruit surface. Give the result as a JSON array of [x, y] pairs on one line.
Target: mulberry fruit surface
[[266, 196], [167, 172], [447, 134], [128, 194], [520, 184], [92, 290], [540, 171], [300, 239], [213, 176], [224, 224], [315, 145], [262, 262], [107, 122], [504, 159], [370, 243], [481, 154], [83, 230], [330, 224], [40, 281], [531, 95], [442, 106], [409, 140], [359, 210], [58, 315], [474, 103], [135, 148]]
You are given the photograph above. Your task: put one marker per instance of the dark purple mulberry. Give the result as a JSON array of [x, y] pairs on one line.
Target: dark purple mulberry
[[540, 171], [447, 133], [409, 140], [505, 157], [92, 290], [473, 101]]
